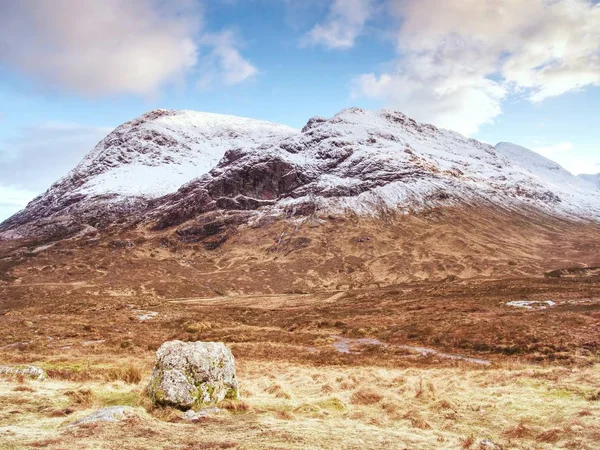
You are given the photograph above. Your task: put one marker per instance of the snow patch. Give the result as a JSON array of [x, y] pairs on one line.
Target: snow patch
[[532, 304]]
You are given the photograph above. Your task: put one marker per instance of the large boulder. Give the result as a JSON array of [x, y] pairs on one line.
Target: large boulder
[[192, 374]]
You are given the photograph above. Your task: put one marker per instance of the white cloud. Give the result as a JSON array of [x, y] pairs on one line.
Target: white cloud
[[344, 23], [107, 47], [43, 153], [437, 91], [457, 64], [99, 47], [224, 64]]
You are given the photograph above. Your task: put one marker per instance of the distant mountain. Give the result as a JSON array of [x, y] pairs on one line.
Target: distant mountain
[[539, 166], [593, 179], [169, 167]]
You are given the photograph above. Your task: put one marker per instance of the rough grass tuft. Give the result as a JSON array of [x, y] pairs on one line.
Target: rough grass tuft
[[235, 406], [23, 388], [277, 391], [83, 397], [518, 432], [365, 397], [467, 442], [551, 436], [130, 374]]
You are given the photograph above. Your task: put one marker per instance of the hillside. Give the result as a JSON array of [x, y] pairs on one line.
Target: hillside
[[373, 276]]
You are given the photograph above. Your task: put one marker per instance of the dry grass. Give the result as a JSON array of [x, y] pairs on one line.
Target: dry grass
[[83, 397], [277, 391], [551, 436], [297, 392], [467, 442], [518, 432], [167, 414], [235, 406], [22, 388], [513, 406]]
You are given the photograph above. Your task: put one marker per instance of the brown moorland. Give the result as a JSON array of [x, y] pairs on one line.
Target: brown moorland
[[334, 324]]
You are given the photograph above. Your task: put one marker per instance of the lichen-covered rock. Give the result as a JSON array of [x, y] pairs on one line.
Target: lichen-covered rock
[[32, 372], [191, 374]]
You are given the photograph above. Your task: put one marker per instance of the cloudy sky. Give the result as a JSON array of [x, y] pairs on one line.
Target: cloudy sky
[[527, 72]]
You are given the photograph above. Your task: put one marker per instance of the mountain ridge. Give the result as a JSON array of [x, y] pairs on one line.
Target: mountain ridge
[[166, 167]]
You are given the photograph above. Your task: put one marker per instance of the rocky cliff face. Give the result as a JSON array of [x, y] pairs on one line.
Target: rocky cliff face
[[167, 167]]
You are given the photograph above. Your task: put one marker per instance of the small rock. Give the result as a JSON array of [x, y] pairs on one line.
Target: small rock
[[143, 315], [195, 416], [32, 372], [188, 374], [486, 444], [110, 414]]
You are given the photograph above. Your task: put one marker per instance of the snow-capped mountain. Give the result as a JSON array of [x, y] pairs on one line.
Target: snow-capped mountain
[[167, 167], [593, 179]]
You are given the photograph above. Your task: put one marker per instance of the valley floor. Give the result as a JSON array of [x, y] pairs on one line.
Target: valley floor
[[330, 370]]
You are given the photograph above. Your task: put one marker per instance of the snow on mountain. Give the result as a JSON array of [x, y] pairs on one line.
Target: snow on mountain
[[592, 179], [368, 160], [573, 190], [168, 167], [160, 151]]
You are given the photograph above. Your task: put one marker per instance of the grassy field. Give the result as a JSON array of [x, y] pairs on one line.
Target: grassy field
[[541, 389]]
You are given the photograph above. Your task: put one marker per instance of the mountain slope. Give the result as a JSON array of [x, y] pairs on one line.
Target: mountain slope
[[540, 166], [169, 167]]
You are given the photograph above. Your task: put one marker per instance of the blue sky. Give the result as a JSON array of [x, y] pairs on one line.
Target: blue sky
[[523, 72]]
